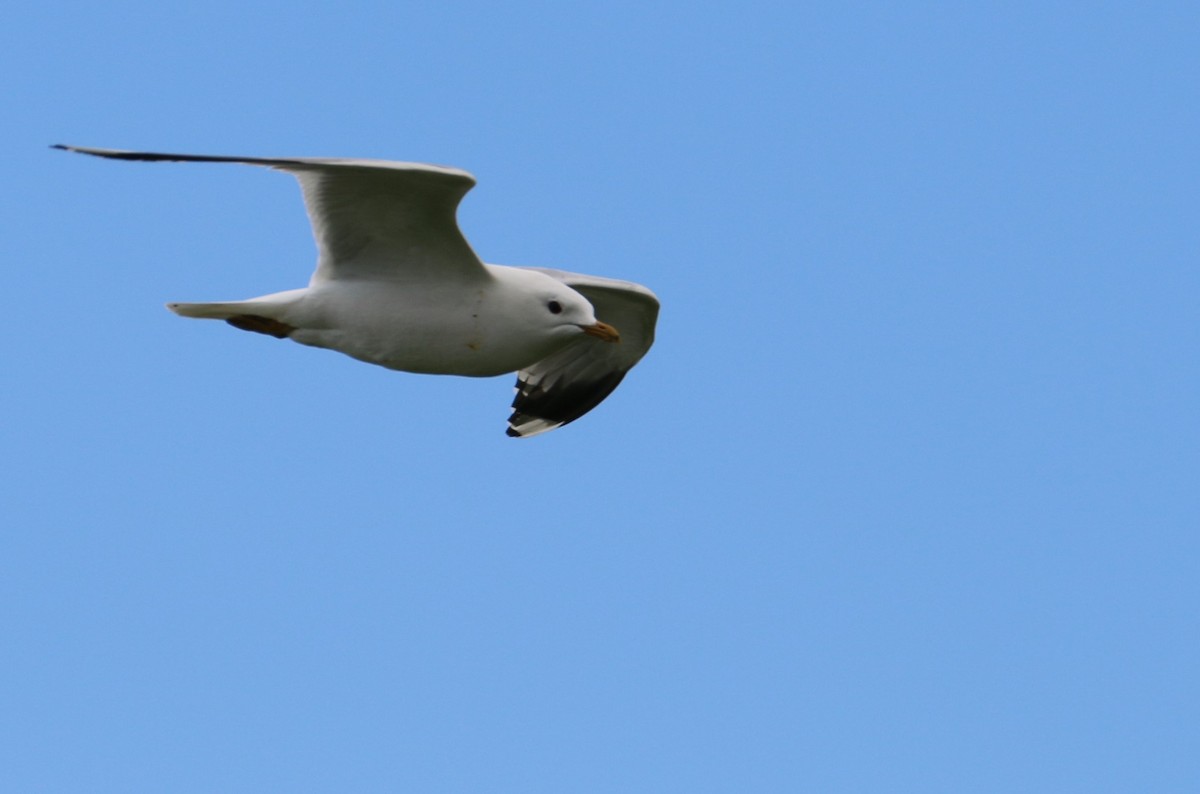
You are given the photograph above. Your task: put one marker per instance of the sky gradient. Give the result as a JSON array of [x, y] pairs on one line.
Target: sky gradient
[[903, 499]]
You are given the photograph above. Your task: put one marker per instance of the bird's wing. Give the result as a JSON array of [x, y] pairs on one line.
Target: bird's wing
[[373, 219], [565, 386]]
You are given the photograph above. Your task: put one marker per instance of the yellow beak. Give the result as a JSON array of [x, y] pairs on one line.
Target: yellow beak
[[602, 331]]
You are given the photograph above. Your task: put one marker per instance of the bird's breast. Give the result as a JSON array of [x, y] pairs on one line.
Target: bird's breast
[[426, 331]]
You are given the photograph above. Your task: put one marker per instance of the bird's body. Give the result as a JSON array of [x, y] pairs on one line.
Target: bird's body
[[452, 331], [397, 285]]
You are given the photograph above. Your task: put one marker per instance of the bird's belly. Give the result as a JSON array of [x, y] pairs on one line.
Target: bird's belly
[[445, 335], [416, 353], [446, 349]]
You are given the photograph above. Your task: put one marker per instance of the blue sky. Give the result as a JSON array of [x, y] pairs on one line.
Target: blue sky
[[903, 499]]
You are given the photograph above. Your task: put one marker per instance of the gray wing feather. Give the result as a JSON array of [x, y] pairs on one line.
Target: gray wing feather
[[371, 218]]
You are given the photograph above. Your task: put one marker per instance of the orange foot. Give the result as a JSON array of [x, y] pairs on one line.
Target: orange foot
[[261, 325]]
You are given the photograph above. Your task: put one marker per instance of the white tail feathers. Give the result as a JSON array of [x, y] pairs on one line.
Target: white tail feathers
[[273, 306], [211, 311], [261, 315]]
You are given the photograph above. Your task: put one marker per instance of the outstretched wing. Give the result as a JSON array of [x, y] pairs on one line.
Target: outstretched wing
[[373, 219], [565, 386]]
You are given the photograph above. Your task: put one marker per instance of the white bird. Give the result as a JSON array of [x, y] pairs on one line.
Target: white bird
[[397, 285]]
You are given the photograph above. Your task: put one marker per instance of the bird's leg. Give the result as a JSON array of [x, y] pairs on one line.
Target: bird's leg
[[261, 325]]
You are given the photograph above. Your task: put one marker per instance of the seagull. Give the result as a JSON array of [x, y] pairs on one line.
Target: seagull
[[398, 285]]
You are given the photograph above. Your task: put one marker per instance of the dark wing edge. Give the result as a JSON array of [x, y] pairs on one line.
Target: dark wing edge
[[538, 408], [563, 387], [281, 163]]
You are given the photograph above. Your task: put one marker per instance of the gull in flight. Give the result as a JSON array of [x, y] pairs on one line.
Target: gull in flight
[[397, 285]]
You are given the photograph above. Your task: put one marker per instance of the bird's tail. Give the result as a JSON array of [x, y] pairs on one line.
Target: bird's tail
[[265, 315], [274, 306], [213, 311]]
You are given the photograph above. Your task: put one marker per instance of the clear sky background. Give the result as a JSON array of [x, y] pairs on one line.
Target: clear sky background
[[903, 499]]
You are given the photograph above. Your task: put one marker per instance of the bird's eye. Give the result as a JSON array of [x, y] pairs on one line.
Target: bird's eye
[[555, 307]]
